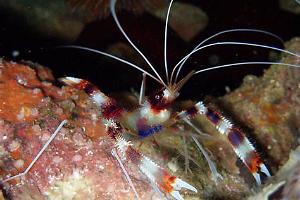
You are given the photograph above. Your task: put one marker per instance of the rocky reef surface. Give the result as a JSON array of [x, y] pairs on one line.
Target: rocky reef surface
[[78, 163]]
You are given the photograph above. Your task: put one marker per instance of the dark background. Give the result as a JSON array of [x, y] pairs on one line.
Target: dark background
[[147, 32]]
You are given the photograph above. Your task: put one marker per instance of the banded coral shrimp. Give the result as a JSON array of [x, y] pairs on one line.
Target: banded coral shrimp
[[154, 113], [214, 115], [159, 102]]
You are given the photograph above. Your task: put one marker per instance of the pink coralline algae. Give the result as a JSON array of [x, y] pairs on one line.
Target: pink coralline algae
[[77, 164]]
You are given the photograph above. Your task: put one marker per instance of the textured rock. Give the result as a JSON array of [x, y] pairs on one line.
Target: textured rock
[[270, 107], [79, 163]]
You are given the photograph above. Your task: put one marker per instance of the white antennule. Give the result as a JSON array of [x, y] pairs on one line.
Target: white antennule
[[245, 63], [111, 56], [165, 42], [221, 33], [235, 43], [113, 12]]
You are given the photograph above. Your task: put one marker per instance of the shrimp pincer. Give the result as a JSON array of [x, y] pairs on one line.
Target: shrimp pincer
[[240, 143], [169, 185]]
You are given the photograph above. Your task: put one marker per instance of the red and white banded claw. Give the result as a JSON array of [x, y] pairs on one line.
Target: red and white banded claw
[[178, 185], [166, 183]]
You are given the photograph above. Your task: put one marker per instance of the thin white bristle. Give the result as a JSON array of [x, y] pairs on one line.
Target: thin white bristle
[[238, 44], [186, 155], [224, 126], [115, 154], [214, 36], [39, 154], [211, 164], [113, 12], [216, 175], [111, 56], [142, 90], [246, 63], [165, 41]]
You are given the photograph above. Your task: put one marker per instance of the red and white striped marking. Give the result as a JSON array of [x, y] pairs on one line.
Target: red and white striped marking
[[240, 143]]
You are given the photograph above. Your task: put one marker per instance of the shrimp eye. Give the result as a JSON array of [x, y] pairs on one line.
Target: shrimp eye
[[158, 100]]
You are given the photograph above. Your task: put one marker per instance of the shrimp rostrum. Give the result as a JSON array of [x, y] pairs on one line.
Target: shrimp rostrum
[[154, 114]]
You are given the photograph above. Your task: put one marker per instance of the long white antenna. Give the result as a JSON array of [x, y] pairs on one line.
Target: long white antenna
[[221, 33], [113, 12], [165, 41], [245, 63], [233, 43], [112, 56]]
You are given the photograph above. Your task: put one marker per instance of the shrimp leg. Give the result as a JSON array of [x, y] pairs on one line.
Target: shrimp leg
[[115, 154], [142, 90], [166, 183]]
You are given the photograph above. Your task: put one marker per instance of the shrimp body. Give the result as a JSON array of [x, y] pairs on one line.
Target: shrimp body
[[159, 103], [159, 177], [151, 116]]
